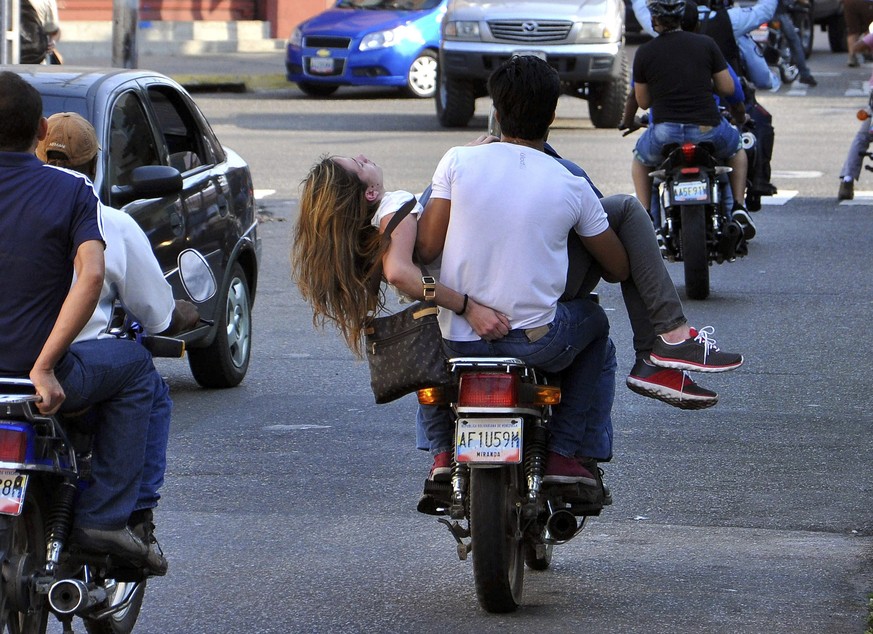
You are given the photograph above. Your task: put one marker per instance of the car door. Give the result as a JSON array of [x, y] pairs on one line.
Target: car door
[[193, 150], [131, 142]]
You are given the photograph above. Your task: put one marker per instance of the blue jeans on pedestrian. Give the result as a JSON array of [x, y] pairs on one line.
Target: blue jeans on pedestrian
[[117, 380], [575, 347], [724, 137]]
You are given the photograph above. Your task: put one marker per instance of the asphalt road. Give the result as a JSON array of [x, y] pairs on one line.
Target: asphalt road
[[290, 501]]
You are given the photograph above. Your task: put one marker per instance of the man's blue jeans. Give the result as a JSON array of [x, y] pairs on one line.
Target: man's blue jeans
[[575, 347], [117, 379]]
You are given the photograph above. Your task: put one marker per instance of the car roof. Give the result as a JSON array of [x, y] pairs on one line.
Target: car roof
[[78, 81]]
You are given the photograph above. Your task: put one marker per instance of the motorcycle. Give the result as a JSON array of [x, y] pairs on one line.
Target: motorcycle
[[497, 505], [696, 229], [44, 462], [773, 44]]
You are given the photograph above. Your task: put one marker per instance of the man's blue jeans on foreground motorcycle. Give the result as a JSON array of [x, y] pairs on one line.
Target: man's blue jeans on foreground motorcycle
[[576, 345], [117, 379]]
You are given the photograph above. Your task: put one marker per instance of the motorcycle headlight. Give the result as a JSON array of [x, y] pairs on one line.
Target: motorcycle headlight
[[460, 30], [296, 38], [391, 37]]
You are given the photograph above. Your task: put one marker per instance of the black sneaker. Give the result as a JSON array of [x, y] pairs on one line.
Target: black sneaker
[[809, 80], [674, 387], [847, 190], [698, 353], [742, 218]]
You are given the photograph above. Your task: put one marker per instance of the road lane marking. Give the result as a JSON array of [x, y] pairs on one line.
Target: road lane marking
[[263, 193]]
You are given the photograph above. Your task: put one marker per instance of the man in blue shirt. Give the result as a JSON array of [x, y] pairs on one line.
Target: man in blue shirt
[[49, 228]]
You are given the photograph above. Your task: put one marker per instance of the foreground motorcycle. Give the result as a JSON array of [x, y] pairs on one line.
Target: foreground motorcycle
[[497, 505], [696, 229], [44, 462]]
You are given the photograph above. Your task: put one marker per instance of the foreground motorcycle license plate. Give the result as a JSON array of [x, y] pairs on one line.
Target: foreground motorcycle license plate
[[12, 487], [690, 191], [488, 440]]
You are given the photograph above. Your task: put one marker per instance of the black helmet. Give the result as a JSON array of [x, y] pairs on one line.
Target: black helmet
[[667, 8]]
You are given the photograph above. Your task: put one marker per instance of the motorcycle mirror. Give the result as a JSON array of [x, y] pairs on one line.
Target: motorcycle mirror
[[196, 275]]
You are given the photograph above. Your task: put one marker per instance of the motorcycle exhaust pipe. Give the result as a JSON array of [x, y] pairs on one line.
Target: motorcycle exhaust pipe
[[562, 525], [72, 596]]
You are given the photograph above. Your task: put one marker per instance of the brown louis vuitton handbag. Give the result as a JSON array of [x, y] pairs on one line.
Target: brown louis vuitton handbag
[[404, 350]]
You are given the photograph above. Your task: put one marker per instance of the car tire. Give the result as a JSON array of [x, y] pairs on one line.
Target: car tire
[[836, 26], [606, 100], [225, 361], [421, 79], [455, 101], [316, 90]]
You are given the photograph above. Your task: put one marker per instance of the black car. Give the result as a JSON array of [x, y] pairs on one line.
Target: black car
[[200, 197]]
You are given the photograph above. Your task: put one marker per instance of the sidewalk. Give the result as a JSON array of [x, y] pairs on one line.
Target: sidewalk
[[208, 71]]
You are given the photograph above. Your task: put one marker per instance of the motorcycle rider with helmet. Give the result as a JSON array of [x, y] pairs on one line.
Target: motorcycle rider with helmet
[[674, 76]]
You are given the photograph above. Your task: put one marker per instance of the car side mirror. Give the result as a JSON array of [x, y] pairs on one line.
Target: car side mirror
[[196, 275], [147, 181]]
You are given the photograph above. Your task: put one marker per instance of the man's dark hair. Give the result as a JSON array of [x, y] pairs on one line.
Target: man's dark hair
[[20, 112], [525, 91]]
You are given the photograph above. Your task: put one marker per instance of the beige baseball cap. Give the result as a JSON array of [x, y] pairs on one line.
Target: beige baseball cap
[[71, 135]]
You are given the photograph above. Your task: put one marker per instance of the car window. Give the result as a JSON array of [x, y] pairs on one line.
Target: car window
[[131, 143], [189, 148]]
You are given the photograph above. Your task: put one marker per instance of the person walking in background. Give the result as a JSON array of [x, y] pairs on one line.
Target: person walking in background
[[858, 14], [851, 170]]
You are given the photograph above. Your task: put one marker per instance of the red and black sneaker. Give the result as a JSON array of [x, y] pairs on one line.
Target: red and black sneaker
[[671, 386], [698, 353]]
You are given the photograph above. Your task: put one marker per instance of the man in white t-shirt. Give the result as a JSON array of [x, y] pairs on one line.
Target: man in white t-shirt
[[487, 216], [133, 277]]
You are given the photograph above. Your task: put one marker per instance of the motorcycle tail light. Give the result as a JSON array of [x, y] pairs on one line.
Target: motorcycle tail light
[[486, 389], [432, 396], [689, 152], [690, 170], [546, 395], [13, 445]]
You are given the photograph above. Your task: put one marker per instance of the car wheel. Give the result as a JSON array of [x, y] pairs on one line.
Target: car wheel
[[837, 34], [422, 76], [606, 100], [455, 101], [225, 361], [316, 90]]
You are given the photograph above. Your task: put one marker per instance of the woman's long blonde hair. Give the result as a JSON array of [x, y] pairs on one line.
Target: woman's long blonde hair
[[336, 249]]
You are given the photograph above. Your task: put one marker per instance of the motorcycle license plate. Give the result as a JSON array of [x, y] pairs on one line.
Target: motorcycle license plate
[[12, 487], [690, 191], [488, 440]]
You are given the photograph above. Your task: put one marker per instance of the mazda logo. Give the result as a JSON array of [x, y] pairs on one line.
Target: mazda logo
[[529, 27]]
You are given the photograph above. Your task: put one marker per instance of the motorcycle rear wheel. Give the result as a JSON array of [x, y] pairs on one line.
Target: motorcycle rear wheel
[[695, 251], [121, 622], [22, 551], [498, 557]]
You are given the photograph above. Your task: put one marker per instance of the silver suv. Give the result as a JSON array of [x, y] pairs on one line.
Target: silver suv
[[582, 39]]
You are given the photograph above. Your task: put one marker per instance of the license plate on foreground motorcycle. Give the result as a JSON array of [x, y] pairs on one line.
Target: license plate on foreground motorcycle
[[488, 440], [690, 191], [12, 487]]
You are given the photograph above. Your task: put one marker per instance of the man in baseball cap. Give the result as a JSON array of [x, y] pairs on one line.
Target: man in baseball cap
[[71, 142], [134, 277]]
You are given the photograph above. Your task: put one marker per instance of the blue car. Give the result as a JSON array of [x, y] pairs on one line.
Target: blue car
[[368, 43]]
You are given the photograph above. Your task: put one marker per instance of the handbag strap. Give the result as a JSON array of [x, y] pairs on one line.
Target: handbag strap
[[399, 215]]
